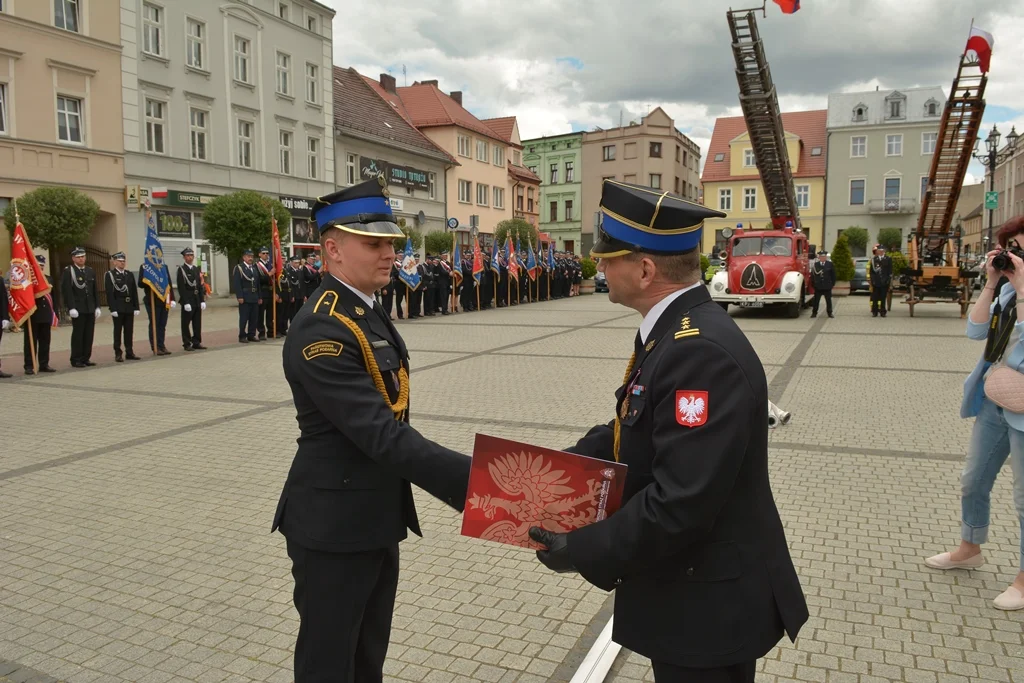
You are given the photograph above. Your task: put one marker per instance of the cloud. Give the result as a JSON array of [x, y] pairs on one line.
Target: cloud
[[576, 64]]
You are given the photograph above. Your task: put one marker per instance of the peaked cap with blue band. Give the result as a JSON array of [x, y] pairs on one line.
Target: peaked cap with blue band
[[638, 218], [363, 209]]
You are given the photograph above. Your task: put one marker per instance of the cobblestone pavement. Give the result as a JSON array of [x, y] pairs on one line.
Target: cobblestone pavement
[[135, 544]]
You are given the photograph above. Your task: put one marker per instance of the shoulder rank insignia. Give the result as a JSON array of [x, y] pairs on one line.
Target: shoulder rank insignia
[[328, 300], [685, 330], [359, 310], [322, 348]]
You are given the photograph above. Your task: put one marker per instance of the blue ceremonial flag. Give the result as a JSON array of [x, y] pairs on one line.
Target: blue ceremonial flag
[[495, 252], [456, 260], [531, 261], [154, 273], [409, 275], [551, 255]]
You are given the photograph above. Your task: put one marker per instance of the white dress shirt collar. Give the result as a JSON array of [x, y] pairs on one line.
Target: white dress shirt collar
[[368, 299], [656, 311]]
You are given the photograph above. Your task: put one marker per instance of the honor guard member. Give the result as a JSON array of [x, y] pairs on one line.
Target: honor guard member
[[41, 322], [192, 297], [348, 502], [5, 317], [823, 276], [123, 302], [311, 276], [296, 286], [265, 319], [78, 289], [881, 277], [158, 309], [697, 556], [246, 281]]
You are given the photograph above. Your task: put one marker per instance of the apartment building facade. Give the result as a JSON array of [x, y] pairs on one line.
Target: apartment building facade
[[732, 182], [650, 152], [60, 120], [558, 160], [523, 183], [219, 98], [880, 149]]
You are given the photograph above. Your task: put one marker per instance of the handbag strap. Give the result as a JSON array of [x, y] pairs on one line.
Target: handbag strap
[[1000, 327]]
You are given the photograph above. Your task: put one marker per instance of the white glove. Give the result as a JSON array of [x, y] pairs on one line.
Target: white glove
[[113, 314], [5, 324], [73, 313], [174, 304], [187, 307], [202, 305], [136, 312], [98, 312]]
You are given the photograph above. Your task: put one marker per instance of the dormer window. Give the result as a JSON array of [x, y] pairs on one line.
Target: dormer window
[[720, 156], [860, 113], [931, 108], [896, 106]]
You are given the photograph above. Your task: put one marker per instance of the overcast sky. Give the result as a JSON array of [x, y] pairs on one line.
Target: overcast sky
[[564, 65]]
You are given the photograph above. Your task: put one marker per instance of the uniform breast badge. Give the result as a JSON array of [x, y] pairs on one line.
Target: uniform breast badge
[[359, 310]]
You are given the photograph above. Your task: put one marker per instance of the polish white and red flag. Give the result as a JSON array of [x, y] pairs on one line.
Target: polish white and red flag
[[981, 44]]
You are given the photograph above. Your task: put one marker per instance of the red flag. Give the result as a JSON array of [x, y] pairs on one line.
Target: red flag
[[27, 280], [513, 260], [278, 257], [981, 43], [788, 6]]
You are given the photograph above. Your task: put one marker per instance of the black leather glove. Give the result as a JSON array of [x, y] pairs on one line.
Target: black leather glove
[[556, 557]]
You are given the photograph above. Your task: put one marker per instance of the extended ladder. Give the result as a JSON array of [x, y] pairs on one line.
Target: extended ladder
[[764, 121]]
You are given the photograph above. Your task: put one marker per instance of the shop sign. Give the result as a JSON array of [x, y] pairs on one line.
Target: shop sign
[[174, 223]]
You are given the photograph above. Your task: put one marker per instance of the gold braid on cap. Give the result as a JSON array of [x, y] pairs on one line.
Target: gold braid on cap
[[618, 424], [399, 407]]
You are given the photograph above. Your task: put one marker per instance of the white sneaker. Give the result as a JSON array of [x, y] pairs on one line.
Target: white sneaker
[[1010, 599], [943, 561]]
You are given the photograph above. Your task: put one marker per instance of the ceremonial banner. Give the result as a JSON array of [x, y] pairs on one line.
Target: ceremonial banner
[[456, 260], [531, 261], [27, 280], [495, 254], [154, 273], [408, 274], [275, 237], [478, 260], [514, 486], [513, 261]]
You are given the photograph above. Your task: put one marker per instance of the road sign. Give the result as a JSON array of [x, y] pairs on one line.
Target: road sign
[[453, 223], [991, 200]]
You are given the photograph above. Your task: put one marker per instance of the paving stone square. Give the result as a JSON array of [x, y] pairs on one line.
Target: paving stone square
[[135, 538]]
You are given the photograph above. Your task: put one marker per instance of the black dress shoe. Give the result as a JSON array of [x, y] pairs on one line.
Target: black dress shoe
[[46, 368], [4, 375], [163, 352], [118, 359], [187, 348], [78, 365], [243, 340], [198, 347], [255, 339], [88, 364], [132, 356], [30, 371]]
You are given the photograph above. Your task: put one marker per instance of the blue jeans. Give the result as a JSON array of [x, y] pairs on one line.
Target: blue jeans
[[991, 442]]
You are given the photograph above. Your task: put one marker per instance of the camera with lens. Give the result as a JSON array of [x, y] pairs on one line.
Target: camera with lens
[[1002, 261]]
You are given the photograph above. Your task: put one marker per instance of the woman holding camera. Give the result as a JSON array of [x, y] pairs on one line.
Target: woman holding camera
[[994, 395]]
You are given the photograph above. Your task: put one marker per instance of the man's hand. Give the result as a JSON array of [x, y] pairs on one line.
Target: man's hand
[[73, 313], [135, 312], [556, 557], [5, 324], [188, 308], [98, 311], [174, 304], [241, 301], [113, 314], [202, 305]]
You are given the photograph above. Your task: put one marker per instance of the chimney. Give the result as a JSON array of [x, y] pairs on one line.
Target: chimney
[[388, 83], [457, 96]]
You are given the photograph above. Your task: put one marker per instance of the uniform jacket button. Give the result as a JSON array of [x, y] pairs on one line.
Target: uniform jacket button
[[618, 582], [346, 480], [689, 572]]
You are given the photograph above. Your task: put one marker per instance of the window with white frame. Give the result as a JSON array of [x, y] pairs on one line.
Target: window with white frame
[[198, 123], [568, 209], [284, 73], [282, 10], [608, 153], [857, 192], [569, 172], [481, 150], [465, 146], [432, 180], [655, 181], [152, 29], [858, 146], [554, 174], [312, 83], [481, 194], [3, 109], [750, 199], [928, 141], [242, 51], [803, 196], [465, 191], [156, 122], [65, 14], [313, 157], [350, 169], [284, 143], [924, 186], [245, 154], [499, 198], [725, 199], [69, 119], [499, 155], [748, 158], [517, 157], [311, 23], [195, 43], [894, 145]]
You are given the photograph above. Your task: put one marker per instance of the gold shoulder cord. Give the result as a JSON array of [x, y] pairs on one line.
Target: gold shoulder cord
[[618, 425], [402, 404]]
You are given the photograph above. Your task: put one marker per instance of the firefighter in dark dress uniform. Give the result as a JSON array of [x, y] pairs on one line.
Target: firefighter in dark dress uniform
[[5, 317], [78, 289], [697, 556], [123, 302], [42, 322], [823, 276], [192, 297], [247, 290], [296, 286], [348, 501], [881, 278], [158, 308]]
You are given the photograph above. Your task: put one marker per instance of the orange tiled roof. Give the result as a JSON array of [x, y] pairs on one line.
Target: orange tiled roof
[[523, 173], [428, 107], [502, 126], [809, 126]]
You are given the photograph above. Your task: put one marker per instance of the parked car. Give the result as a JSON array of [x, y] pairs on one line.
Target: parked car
[[600, 283], [860, 282], [715, 263]]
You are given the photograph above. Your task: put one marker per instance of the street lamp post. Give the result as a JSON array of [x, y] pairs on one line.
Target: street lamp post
[[992, 158]]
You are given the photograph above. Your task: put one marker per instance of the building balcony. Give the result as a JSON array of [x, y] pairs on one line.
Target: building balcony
[[899, 205]]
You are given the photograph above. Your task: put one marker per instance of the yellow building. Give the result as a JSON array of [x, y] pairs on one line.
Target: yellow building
[[732, 184]]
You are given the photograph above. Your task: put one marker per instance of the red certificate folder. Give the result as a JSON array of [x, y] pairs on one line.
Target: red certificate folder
[[514, 486]]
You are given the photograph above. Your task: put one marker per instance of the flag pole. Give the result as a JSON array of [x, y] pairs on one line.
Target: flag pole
[[152, 316], [477, 288], [408, 295], [274, 283], [32, 345]]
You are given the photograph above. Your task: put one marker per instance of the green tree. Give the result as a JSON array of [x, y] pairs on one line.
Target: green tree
[[891, 239], [899, 262], [518, 229], [55, 218], [241, 220], [856, 237], [842, 260], [588, 268], [437, 241], [704, 263], [408, 233]]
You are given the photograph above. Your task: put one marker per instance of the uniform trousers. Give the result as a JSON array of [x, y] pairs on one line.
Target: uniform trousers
[[295, 307], [124, 326], [82, 329], [161, 323], [247, 314], [265, 315], [818, 293], [41, 340], [194, 320], [416, 303], [878, 299], [345, 602], [737, 673]]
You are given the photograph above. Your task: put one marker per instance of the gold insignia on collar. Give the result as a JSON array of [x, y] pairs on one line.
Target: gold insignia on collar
[[322, 348], [650, 345], [359, 310]]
